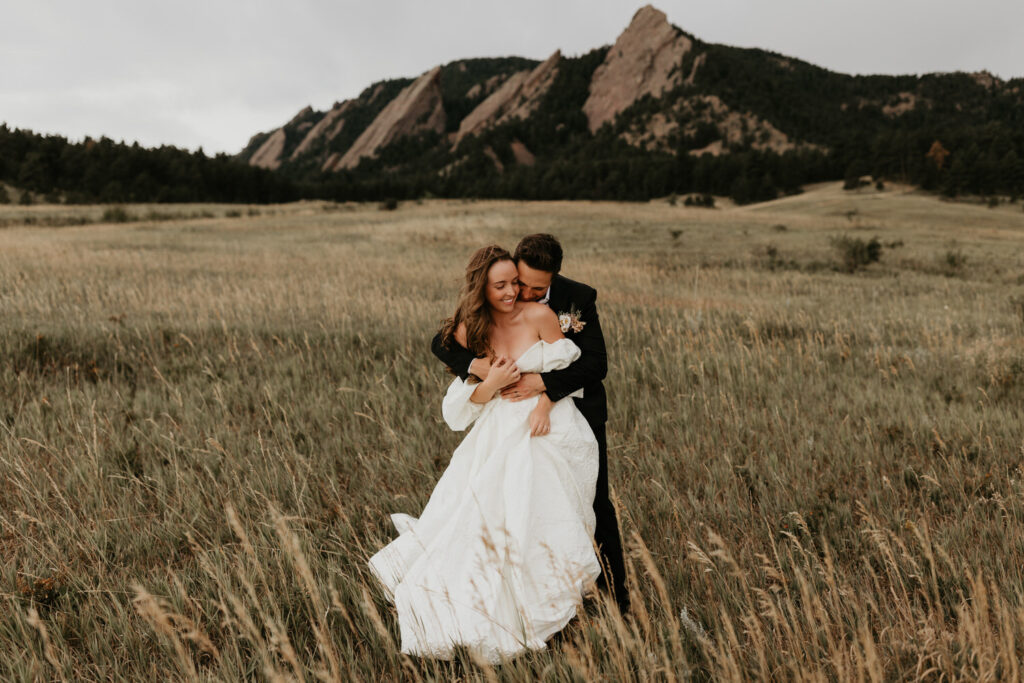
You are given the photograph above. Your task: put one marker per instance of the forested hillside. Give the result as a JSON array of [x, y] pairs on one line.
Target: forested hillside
[[55, 169]]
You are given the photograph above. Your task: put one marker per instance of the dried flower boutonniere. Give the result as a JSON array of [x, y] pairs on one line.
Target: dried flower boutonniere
[[571, 321]]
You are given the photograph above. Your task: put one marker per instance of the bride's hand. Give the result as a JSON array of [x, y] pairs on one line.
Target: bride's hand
[[540, 417], [502, 373]]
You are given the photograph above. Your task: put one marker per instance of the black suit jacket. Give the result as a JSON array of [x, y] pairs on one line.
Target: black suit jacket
[[587, 373]]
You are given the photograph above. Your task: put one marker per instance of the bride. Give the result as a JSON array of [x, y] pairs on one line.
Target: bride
[[500, 556]]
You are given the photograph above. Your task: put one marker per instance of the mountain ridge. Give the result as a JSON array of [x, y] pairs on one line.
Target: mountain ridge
[[661, 111]]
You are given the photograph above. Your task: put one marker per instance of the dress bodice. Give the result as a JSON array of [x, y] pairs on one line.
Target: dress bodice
[[460, 412]]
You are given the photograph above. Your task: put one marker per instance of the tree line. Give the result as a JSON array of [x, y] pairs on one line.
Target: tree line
[[113, 172]]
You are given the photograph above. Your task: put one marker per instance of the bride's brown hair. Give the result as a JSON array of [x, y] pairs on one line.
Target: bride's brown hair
[[472, 308]]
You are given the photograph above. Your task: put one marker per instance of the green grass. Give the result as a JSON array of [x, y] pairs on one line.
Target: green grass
[[206, 420]]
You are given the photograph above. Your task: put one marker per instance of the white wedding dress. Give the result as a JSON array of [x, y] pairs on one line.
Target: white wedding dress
[[500, 557]]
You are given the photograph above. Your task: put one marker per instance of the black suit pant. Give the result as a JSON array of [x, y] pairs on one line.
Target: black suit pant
[[606, 534]]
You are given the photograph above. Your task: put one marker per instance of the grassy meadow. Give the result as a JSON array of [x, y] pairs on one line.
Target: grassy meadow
[[207, 416]]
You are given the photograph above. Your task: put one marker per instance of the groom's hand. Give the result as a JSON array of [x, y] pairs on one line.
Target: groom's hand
[[530, 384]]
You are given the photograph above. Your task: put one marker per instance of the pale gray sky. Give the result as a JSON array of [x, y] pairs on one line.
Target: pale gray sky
[[211, 73]]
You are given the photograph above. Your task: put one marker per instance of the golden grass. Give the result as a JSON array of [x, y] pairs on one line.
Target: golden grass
[[206, 421]]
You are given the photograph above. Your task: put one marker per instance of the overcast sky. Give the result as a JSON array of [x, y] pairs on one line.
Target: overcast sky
[[211, 73]]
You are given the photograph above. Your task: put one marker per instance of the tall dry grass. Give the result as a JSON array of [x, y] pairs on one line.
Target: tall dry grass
[[820, 476]]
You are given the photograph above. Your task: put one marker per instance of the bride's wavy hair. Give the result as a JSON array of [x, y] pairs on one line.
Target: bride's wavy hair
[[472, 308]]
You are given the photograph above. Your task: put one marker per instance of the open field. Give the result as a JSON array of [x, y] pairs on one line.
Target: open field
[[206, 419]]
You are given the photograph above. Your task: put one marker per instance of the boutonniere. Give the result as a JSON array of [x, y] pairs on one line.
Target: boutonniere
[[571, 321]]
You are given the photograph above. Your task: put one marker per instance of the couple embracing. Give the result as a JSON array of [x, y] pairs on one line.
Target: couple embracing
[[504, 549]]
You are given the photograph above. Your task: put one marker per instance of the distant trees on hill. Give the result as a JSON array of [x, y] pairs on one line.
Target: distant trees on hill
[[106, 171]]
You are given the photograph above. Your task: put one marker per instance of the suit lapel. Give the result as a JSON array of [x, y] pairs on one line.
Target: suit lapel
[[558, 301]]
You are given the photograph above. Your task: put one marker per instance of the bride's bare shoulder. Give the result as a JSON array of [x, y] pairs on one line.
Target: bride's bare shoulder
[[543, 320], [460, 334], [535, 312]]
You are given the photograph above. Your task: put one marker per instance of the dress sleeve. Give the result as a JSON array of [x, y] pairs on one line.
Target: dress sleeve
[[559, 355], [458, 411]]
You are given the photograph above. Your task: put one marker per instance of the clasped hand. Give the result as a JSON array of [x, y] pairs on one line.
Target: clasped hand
[[524, 386], [503, 372], [503, 375]]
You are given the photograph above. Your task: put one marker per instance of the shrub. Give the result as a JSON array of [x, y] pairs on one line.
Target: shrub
[[953, 262], [116, 214], [856, 253], [233, 213], [853, 179], [4, 197], [705, 201], [1017, 304], [389, 204], [771, 259], [25, 199]]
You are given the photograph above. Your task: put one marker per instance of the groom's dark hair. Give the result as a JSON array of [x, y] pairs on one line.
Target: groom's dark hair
[[541, 252]]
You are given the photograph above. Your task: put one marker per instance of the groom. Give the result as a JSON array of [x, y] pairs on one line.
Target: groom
[[539, 258]]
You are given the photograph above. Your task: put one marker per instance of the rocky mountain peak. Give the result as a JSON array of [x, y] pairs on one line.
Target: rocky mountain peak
[[271, 153], [517, 97], [416, 109], [644, 61]]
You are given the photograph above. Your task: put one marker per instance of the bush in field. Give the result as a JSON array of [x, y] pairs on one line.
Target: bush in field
[[702, 200], [953, 262], [854, 175], [116, 214], [856, 253], [389, 204], [1017, 303]]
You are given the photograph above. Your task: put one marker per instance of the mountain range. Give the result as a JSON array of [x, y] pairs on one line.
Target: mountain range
[[658, 111]]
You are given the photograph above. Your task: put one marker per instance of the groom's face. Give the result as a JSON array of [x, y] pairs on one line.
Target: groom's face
[[533, 283]]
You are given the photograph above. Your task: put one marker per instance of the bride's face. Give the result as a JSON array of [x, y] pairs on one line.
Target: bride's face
[[502, 286]]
